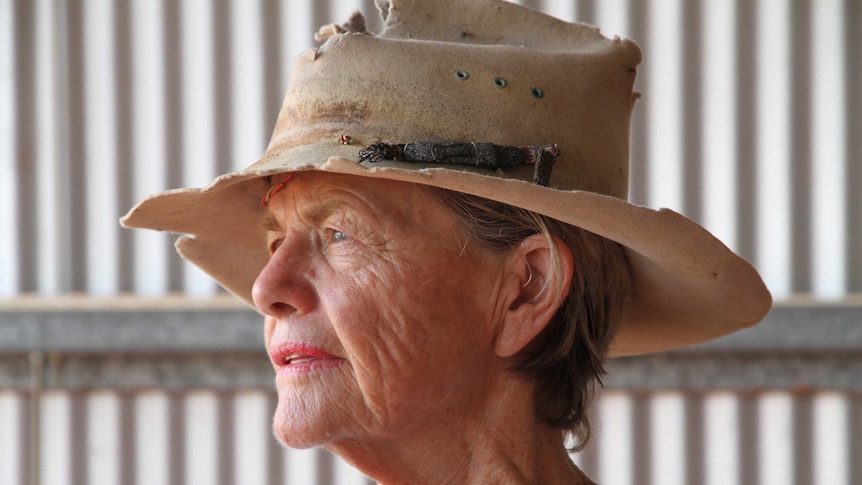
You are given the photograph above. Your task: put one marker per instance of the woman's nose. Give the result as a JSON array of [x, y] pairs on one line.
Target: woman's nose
[[283, 286]]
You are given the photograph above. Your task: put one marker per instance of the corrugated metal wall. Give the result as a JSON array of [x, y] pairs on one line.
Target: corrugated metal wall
[[751, 123], [153, 437], [205, 437]]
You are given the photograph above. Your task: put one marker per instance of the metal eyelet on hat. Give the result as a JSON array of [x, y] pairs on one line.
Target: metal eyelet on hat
[[461, 75], [500, 82], [537, 92]]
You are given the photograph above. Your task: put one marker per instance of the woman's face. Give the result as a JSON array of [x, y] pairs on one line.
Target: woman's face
[[381, 318]]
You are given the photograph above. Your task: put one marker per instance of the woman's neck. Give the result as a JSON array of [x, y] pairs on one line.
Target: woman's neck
[[501, 443]]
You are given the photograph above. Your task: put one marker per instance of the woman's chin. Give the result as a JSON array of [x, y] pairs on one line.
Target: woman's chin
[[308, 421], [298, 435]]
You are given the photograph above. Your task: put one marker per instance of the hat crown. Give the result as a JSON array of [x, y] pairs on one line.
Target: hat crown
[[482, 71], [469, 71], [485, 22]]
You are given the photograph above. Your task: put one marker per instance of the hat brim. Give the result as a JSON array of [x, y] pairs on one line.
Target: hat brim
[[688, 287]]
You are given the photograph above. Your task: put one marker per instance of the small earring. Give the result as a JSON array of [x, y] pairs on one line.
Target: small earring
[[530, 279]]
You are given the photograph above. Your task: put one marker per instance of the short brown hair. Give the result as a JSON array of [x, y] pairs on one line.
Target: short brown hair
[[567, 359]]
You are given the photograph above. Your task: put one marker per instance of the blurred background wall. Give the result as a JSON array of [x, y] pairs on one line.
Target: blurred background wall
[[120, 363]]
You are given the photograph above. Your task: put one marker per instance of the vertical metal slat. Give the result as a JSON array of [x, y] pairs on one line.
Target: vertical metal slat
[[642, 439], [101, 147], [828, 106], [694, 441], [585, 11], [667, 438], [176, 445], [830, 454], [49, 174], [749, 455], [617, 457], [720, 72], [125, 128], [746, 130], [12, 436], [24, 71], [639, 163], [127, 439], [853, 154], [199, 78], [273, 87], [173, 129], [720, 433], [854, 442], [775, 413], [151, 447], [202, 437], [144, 158], [692, 105], [802, 439], [224, 430], [221, 102], [800, 139], [76, 132], [56, 445], [247, 82]]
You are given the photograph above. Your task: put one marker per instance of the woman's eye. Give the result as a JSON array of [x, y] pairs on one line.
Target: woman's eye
[[336, 236]]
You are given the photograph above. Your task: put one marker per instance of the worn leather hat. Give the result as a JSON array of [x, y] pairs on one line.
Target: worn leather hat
[[487, 98]]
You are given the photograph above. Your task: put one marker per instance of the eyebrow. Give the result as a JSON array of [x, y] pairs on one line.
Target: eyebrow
[[315, 212], [270, 224]]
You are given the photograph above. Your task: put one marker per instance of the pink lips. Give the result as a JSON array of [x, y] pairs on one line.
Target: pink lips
[[292, 358]]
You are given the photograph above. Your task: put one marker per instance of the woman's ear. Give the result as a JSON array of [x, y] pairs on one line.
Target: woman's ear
[[535, 289]]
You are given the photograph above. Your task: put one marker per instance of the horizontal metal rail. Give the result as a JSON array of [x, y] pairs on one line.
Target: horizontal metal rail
[[799, 346]]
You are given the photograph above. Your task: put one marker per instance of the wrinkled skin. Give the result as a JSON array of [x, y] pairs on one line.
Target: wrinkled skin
[[402, 313], [380, 278]]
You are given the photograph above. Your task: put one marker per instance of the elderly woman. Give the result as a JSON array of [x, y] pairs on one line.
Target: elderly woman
[[439, 240]]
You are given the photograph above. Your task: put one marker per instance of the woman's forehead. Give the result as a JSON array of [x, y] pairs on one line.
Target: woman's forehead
[[319, 180], [318, 195]]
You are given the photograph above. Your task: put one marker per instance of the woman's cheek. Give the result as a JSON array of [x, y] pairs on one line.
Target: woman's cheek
[[378, 340], [269, 324], [364, 277]]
